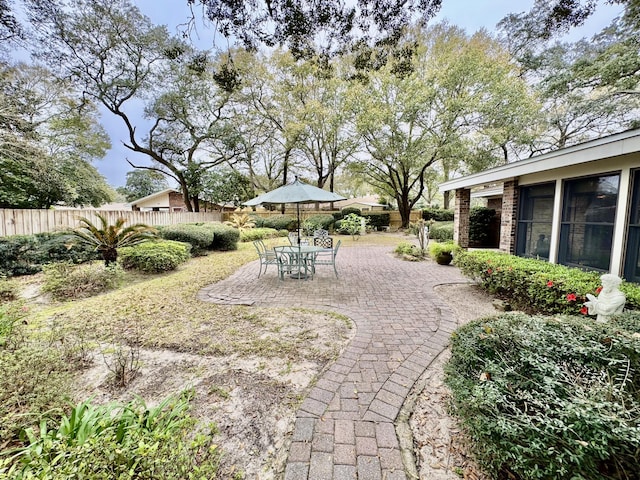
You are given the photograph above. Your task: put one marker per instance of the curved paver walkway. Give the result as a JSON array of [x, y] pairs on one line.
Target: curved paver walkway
[[345, 427]]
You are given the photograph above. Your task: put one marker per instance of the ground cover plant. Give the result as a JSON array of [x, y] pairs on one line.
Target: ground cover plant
[[535, 285], [549, 398]]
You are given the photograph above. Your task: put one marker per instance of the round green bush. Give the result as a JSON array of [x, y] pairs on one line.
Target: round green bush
[[155, 257], [225, 238], [441, 231], [251, 234], [548, 398], [199, 237]]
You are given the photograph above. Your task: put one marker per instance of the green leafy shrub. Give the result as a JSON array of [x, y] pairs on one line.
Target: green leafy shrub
[[198, 236], [377, 220], [480, 221], [437, 214], [534, 285], [279, 222], [352, 224], [225, 238], [441, 231], [315, 222], [258, 234], [409, 251], [438, 248], [548, 398], [351, 210], [155, 257], [110, 441], [66, 281], [25, 254]]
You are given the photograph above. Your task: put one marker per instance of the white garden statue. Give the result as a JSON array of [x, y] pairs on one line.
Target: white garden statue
[[609, 301]]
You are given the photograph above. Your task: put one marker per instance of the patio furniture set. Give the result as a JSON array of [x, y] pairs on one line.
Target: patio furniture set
[[299, 260]]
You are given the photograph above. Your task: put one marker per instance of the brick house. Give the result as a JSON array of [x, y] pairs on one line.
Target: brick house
[[166, 200], [578, 206]]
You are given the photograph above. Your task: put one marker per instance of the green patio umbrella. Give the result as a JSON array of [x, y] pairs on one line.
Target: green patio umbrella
[[295, 192]]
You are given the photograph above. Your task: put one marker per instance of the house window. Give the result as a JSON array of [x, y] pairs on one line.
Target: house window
[[588, 215], [632, 260], [534, 220]]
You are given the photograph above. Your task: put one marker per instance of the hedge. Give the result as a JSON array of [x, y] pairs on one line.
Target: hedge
[[534, 285], [26, 254], [441, 231], [549, 398], [225, 238], [251, 234], [437, 214], [197, 235], [279, 222], [480, 220], [155, 257], [377, 220]]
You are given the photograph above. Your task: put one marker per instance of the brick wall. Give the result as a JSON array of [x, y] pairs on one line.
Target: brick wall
[[509, 216], [461, 217], [176, 202]]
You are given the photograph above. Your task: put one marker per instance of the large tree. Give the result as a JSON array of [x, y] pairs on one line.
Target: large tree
[[418, 114], [119, 59], [142, 183], [312, 27], [48, 141]]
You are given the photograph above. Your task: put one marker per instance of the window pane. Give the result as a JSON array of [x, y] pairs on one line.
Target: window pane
[[587, 245], [533, 240], [537, 202], [534, 220], [588, 214]]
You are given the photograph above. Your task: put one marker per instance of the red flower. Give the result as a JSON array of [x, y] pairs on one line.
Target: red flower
[[549, 283], [489, 271], [571, 297], [584, 310], [598, 290]]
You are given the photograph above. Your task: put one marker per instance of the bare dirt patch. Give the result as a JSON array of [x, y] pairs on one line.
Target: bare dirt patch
[[252, 400], [440, 447]]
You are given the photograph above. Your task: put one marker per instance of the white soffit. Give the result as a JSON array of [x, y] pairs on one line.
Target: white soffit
[[601, 148]]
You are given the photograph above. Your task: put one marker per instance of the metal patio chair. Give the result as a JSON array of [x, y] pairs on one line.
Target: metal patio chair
[[267, 257], [328, 257]]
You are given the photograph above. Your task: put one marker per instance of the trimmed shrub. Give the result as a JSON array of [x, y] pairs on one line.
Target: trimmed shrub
[[437, 214], [66, 281], [25, 254], [252, 234], [198, 236], [441, 231], [279, 222], [548, 398], [155, 257], [349, 210], [315, 222], [377, 220], [225, 238], [480, 220], [534, 285]]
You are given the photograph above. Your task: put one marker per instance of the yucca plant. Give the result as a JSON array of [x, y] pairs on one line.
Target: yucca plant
[[108, 238]]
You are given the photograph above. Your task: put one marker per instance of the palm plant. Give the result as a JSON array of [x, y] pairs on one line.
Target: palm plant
[[240, 221], [108, 238]]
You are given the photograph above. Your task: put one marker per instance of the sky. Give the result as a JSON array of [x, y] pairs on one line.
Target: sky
[[468, 14]]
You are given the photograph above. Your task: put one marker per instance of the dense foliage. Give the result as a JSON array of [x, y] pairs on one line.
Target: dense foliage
[[437, 214], [441, 231], [130, 441], [198, 236], [549, 398], [377, 220], [279, 222], [25, 254], [480, 222], [155, 257], [535, 285]]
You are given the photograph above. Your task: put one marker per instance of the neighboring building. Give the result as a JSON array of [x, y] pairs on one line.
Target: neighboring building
[[579, 206], [170, 200], [166, 200], [365, 204]]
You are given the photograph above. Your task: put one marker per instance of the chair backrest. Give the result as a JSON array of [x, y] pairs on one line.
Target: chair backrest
[[335, 250], [259, 246], [293, 238], [324, 242], [320, 233]]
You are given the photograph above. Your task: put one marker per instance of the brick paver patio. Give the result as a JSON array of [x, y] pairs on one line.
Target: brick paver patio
[[345, 428]]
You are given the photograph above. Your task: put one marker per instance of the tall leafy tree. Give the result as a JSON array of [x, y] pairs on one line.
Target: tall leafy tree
[[142, 183], [49, 140], [310, 28], [120, 60], [419, 112], [226, 186]]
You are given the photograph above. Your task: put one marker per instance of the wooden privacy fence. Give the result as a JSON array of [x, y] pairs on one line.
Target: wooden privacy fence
[[28, 222]]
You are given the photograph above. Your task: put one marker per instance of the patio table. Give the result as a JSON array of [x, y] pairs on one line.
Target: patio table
[[301, 258]]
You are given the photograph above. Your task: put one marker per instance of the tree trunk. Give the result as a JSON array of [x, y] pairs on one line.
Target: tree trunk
[[109, 256]]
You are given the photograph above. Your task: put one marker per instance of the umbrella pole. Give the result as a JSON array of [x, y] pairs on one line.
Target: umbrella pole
[[298, 210]]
